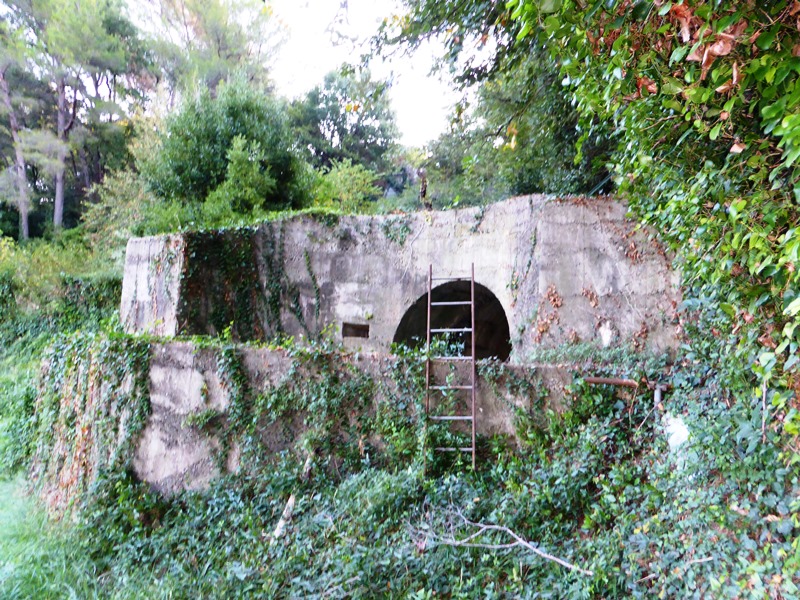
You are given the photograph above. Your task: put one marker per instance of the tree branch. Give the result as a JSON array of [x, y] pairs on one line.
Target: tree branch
[[519, 541], [286, 515]]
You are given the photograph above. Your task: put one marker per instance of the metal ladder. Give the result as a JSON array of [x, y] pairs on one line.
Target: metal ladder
[[430, 360]]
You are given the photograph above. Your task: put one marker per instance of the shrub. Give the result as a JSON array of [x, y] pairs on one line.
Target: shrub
[[197, 146], [347, 187]]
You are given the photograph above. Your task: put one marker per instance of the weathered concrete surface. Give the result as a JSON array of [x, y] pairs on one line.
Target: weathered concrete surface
[[173, 455], [176, 452], [563, 271], [151, 286]]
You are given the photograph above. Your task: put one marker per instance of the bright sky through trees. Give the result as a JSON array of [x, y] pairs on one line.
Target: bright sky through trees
[[323, 34]]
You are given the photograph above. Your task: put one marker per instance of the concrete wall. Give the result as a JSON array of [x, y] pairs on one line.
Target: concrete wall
[[172, 455], [563, 270], [151, 285]]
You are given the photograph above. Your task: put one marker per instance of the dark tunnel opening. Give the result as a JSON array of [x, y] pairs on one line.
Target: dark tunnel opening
[[492, 335]]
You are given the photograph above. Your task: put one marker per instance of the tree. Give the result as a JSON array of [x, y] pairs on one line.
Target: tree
[[205, 42], [90, 54], [199, 142], [10, 59], [519, 137], [347, 187], [348, 117], [478, 35], [517, 131]]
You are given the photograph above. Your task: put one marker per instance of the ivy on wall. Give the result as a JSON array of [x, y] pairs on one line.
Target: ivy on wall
[[93, 404], [235, 281], [325, 404]]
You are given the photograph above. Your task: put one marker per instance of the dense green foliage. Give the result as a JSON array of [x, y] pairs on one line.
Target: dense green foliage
[[238, 136], [515, 130], [347, 187], [347, 118], [595, 487], [703, 97], [518, 138], [39, 558], [87, 302], [201, 43]]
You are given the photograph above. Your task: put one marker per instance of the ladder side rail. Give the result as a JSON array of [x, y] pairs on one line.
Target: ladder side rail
[[474, 378], [428, 345], [429, 387]]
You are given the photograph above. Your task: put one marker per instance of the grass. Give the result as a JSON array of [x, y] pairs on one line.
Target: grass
[[38, 559]]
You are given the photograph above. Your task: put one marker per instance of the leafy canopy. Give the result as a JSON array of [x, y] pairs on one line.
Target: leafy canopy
[[705, 101], [515, 130], [201, 43], [238, 132], [348, 117]]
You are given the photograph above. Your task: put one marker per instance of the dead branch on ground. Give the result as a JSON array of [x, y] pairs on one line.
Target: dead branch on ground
[[518, 542], [286, 515]]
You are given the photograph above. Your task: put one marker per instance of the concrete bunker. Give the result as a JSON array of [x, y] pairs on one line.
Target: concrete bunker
[[492, 333], [554, 271]]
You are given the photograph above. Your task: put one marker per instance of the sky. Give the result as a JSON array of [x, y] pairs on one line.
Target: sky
[[421, 101]]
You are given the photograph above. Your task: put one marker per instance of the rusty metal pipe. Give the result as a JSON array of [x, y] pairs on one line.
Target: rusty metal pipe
[[611, 381]]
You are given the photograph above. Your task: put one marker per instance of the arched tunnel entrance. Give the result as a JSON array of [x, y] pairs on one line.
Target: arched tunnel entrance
[[492, 336]]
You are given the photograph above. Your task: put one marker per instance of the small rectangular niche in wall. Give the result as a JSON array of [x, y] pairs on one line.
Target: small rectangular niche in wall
[[356, 330]]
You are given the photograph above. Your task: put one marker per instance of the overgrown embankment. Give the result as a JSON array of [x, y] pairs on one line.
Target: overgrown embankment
[[45, 292], [595, 487]]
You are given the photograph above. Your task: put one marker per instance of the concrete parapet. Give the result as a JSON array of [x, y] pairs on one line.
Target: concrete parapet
[[563, 270]]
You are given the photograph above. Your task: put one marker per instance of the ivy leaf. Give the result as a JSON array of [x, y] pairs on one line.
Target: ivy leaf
[[765, 40], [641, 10], [550, 6], [793, 308]]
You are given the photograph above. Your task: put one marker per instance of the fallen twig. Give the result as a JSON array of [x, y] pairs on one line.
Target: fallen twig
[[330, 591], [697, 561], [519, 541], [286, 515]]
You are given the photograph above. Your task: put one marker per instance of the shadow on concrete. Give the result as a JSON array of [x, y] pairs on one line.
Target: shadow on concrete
[[492, 336]]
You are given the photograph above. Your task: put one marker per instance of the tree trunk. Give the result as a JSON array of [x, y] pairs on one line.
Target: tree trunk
[[23, 201], [58, 206], [85, 173]]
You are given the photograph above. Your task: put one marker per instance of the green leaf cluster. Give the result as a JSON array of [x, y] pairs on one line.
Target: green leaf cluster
[[346, 118], [232, 149], [702, 98], [347, 187]]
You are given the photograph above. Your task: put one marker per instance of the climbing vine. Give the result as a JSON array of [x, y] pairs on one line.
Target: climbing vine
[[236, 280], [219, 285], [397, 229], [703, 99], [92, 406], [314, 283]]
